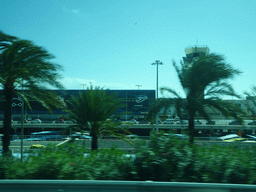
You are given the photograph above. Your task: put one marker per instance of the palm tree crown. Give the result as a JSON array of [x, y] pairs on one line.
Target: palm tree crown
[[91, 109], [24, 65], [204, 84]]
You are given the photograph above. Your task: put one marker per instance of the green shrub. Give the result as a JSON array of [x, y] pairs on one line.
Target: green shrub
[[6, 161], [162, 158], [107, 164], [167, 159]]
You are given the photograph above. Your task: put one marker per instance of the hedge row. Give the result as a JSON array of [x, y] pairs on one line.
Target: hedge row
[[162, 158]]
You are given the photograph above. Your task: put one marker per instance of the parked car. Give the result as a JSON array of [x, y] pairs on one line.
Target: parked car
[[252, 123], [168, 121], [117, 121], [36, 146], [198, 122], [231, 138], [235, 122], [25, 121], [133, 121], [182, 122], [36, 121], [143, 122], [177, 136], [159, 122], [78, 136], [133, 136], [210, 123], [60, 121], [85, 137], [250, 137]]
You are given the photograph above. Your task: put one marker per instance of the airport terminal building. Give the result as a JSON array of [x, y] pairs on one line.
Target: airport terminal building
[[136, 103]]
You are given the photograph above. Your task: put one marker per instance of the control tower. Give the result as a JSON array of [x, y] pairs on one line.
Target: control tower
[[193, 52]]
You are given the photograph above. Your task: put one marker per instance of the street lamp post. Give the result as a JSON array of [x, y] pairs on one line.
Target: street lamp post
[[22, 129], [22, 126], [157, 63], [22, 122], [84, 85], [138, 86]]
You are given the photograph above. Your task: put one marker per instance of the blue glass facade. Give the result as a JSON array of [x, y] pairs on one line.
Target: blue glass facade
[[136, 102]]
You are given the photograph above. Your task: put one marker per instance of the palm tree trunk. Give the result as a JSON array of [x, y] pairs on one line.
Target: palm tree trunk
[[8, 94], [191, 126], [94, 135]]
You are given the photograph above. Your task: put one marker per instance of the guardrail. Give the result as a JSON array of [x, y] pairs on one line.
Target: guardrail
[[114, 186]]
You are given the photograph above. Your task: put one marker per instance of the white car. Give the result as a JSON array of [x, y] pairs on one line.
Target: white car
[[182, 122], [133, 121], [169, 121], [132, 136], [197, 122], [79, 136], [36, 121]]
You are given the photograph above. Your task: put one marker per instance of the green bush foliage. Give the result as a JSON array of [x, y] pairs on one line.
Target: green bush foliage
[[166, 158], [107, 164], [69, 162], [162, 158]]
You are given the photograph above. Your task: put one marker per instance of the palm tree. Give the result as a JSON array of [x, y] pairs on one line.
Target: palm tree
[[250, 103], [91, 110], [24, 65], [204, 84]]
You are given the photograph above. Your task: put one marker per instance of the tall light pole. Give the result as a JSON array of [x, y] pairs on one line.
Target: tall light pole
[[84, 85], [157, 63], [138, 86], [22, 121], [22, 126]]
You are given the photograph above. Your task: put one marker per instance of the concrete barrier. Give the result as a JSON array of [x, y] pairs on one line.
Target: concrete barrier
[[114, 186]]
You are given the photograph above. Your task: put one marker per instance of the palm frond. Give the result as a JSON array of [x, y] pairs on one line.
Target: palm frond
[[250, 103], [228, 109], [25, 65], [219, 89], [204, 83], [92, 106]]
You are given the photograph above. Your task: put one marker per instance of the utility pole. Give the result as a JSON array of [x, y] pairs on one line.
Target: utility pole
[[157, 63]]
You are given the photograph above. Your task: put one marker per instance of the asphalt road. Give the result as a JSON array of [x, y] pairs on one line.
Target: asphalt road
[[15, 146]]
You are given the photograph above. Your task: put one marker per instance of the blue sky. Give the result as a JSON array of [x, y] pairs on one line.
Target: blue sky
[[112, 43]]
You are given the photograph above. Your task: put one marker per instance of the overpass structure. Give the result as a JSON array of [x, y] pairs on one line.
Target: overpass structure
[[139, 126]]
